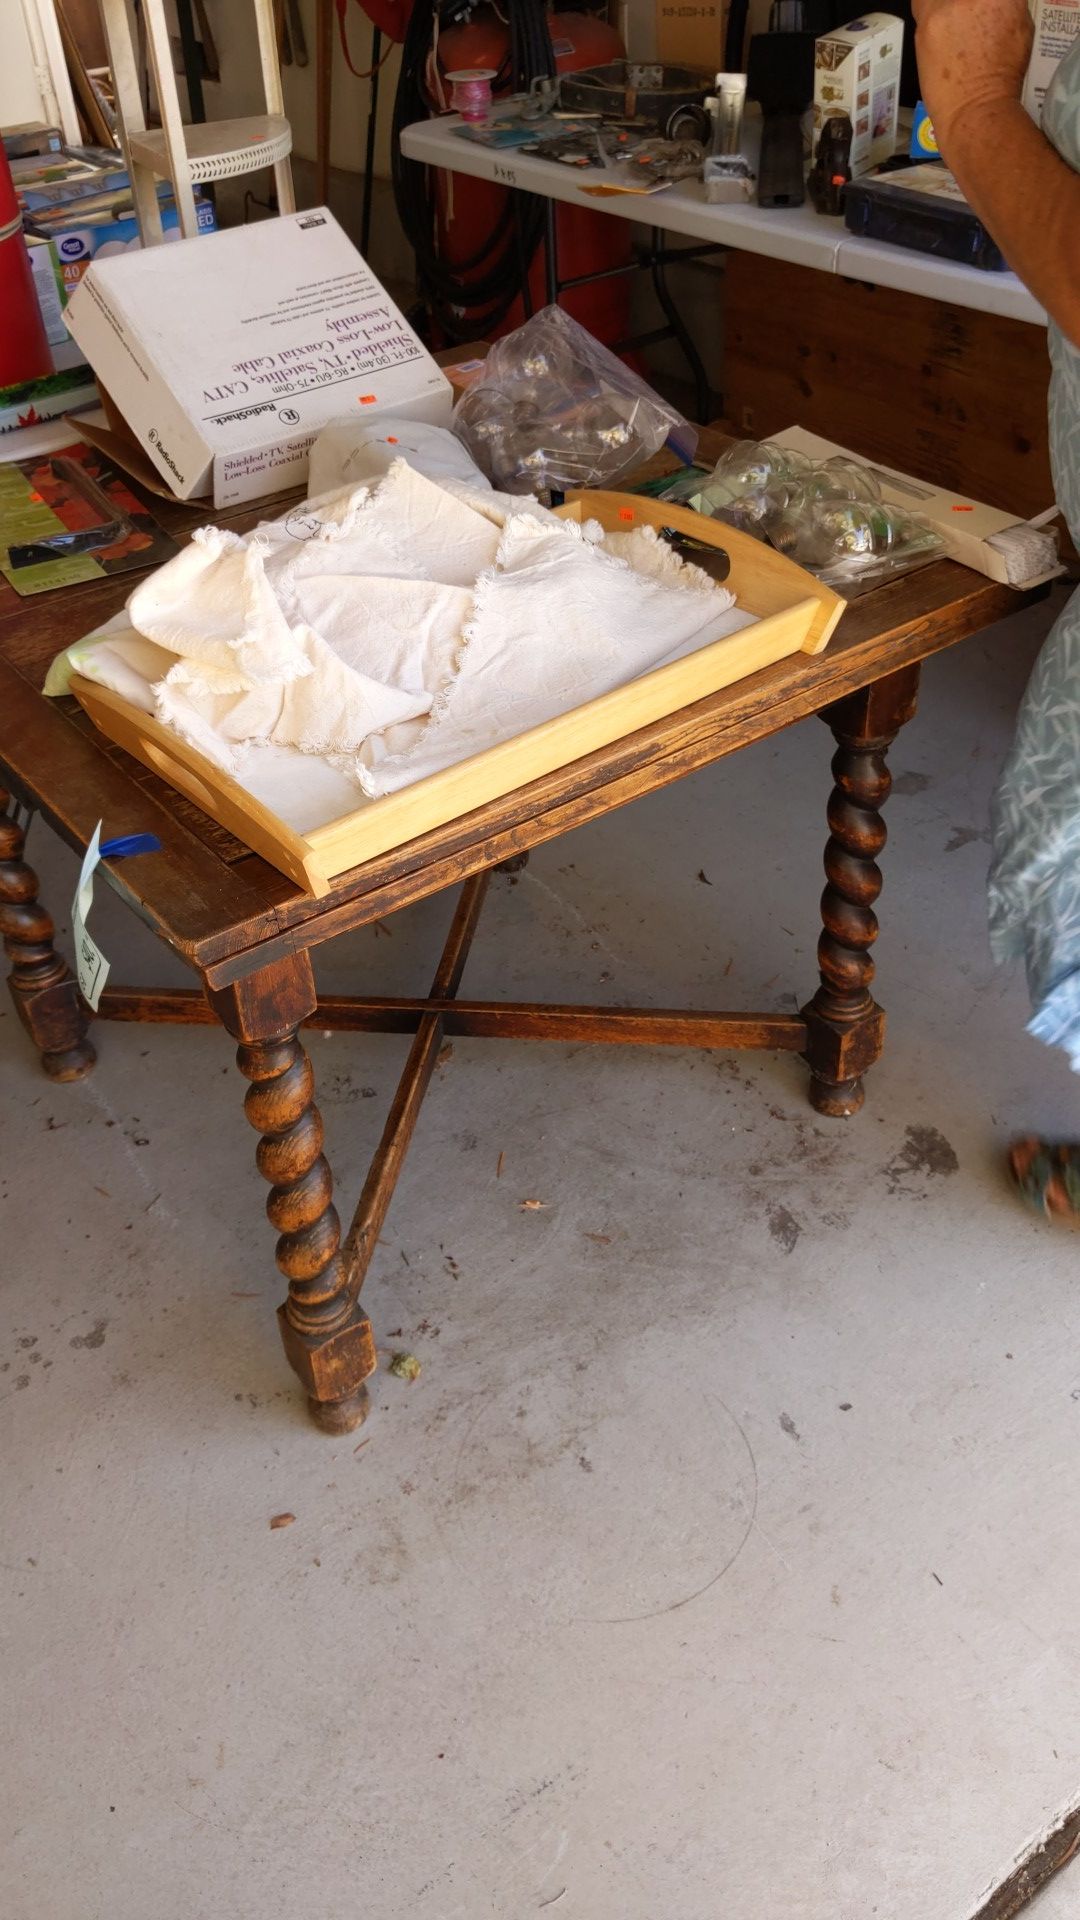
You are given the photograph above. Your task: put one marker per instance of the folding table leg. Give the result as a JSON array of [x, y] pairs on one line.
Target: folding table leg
[[845, 1025], [327, 1337], [703, 399], [551, 254], [45, 994]]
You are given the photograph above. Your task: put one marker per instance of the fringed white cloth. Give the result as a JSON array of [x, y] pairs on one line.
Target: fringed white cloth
[[396, 628]]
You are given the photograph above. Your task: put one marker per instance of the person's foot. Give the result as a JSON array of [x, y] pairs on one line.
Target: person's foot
[[1046, 1174]]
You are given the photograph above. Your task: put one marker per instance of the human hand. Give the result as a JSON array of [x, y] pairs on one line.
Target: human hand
[[972, 54]]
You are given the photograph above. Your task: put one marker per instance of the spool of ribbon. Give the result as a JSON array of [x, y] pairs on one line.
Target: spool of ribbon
[[471, 92]]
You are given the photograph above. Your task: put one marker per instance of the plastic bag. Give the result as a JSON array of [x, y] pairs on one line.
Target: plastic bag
[[554, 409], [660, 163], [829, 515]]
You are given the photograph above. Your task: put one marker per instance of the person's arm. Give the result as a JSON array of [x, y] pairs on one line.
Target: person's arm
[[973, 57]]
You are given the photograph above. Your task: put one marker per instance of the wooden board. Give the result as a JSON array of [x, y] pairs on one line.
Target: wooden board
[[941, 392], [794, 614]]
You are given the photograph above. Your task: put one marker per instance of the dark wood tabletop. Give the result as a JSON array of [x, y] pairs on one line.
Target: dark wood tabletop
[[225, 909]]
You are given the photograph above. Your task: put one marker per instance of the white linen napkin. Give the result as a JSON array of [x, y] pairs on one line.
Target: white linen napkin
[[400, 627]]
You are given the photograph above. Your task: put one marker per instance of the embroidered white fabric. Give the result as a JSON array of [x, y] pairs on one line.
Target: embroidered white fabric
[[395, 629]]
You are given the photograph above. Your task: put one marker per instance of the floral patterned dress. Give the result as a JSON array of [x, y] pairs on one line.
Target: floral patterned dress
[[1035, 877]]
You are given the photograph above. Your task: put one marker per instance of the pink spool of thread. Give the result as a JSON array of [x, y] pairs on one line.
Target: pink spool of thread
[[471, 92]]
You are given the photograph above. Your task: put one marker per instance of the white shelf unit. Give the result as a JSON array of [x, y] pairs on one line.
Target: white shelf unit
[[190, 155]]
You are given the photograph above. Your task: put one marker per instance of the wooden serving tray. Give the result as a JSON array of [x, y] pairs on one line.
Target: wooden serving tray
[[795, 614]]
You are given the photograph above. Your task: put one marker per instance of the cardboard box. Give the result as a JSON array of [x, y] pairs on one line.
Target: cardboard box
[[690, 33], [51, 301], [66, 183], [50, 298], [44, 179], [30, 136], [32, 401], [1057, 23], [114, 438], [967, 526], [857, 72], [228, 353]]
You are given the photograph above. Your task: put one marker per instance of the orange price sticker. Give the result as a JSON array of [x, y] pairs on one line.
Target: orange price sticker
[[626, 513]]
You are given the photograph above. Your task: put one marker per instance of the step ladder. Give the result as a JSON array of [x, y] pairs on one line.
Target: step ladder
[[190, 156]]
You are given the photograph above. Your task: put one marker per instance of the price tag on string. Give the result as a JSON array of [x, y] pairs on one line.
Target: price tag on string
[[90, 962]]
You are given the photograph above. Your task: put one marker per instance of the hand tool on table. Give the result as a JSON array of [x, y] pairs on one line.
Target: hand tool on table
[[281, 34], [297, 35], [209, 45]]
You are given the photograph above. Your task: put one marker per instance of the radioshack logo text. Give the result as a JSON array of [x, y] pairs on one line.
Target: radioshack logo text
[[155, 441]]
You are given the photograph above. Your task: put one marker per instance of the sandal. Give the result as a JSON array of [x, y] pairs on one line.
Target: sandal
[[1046, 1174]]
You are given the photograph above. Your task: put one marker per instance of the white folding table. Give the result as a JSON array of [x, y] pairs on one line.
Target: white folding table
[[799, 235]]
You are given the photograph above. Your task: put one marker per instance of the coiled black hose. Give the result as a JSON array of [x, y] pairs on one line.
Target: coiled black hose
[[470, 297]]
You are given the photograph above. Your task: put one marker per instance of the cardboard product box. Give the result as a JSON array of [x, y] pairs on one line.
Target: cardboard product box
[[65, 353], [32, 401], [82, 182], [968, 527], [51, 302], [1057, 23], [60, 253], [30, 136], [228, 353], [857, 72], [43, 180], [690, 33]]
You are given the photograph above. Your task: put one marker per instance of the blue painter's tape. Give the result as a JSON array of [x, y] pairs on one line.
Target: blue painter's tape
[[130, 843]]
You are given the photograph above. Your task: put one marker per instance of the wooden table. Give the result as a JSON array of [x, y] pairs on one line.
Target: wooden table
[[247, 932]]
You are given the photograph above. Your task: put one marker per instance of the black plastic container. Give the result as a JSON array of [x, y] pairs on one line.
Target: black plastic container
[[922, 209]]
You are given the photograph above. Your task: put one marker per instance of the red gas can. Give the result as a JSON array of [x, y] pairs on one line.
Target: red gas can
[[24, 349]]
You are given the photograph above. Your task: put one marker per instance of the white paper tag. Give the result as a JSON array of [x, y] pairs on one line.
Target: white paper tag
[[91, 964]]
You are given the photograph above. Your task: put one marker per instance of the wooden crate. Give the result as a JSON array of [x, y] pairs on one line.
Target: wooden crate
[[795, 614]]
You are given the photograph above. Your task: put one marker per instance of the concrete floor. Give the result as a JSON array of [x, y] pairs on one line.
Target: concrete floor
[[721, 1562], [1058, 1901]]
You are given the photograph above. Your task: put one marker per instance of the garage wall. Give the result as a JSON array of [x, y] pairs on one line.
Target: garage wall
[[33, 80]]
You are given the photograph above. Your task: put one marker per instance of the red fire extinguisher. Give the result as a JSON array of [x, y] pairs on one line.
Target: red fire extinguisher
[[588, 242], [24, 349]]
